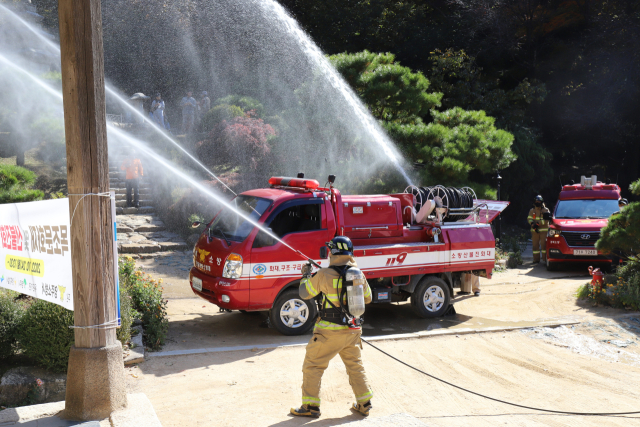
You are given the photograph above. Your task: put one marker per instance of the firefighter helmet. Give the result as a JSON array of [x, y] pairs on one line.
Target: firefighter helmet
[[340, 245], [539, 199]]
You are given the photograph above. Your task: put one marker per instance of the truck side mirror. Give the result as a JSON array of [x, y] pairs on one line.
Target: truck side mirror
[[263, 239], [546, 216], [323, 252]]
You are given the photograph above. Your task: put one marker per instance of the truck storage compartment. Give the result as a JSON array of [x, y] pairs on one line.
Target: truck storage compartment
[[381, 295], [371, 216]]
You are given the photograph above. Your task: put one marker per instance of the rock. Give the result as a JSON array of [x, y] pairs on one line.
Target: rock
[[149, 227], [173, 246], [121, 228], [17, 382], [136, 350], [135, 248]]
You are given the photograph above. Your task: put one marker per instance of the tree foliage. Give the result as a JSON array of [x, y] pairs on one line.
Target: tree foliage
[[451, 143], [242, 140], [15, 183], [622, 233], [392, 92]]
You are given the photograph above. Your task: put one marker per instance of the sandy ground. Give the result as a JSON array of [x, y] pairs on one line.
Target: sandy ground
[[593, 365]]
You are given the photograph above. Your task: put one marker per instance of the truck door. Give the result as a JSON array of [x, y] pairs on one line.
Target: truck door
[[300, 224]]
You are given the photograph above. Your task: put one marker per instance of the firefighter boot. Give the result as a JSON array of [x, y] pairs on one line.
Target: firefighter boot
[[362, 408], [307, 411]]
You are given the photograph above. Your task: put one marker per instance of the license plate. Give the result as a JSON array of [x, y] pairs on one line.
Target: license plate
[[585, 252], [197, 283]]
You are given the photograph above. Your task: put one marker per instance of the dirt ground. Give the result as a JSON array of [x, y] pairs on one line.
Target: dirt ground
[[590, 365]]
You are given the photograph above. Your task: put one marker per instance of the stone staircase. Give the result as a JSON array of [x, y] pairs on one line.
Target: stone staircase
[[141, 234]]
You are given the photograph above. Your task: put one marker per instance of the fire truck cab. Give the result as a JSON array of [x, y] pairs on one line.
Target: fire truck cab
[[581, 212], [237, 266]]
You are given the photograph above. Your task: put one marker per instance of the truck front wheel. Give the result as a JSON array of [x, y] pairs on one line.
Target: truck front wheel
[[431, 298], [291, 315]]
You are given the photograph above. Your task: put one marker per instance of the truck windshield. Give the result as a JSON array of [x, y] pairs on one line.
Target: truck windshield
[[232, 226], [586, 209]]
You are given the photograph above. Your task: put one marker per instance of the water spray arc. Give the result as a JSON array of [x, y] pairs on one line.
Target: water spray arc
[[290, 26], [116, 95], [141, 146], [164, 162]]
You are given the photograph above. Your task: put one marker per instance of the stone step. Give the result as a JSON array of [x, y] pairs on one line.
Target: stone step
[[123, 203], [147, 248], [142, 191], [122, 186], [140, 210]]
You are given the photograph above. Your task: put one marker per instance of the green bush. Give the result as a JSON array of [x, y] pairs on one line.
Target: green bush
[[628, 286], [15, 183], [11, 312], [621, 290], [218, 114], [146, 298], [127, 314], [45, 335], [245, 102]]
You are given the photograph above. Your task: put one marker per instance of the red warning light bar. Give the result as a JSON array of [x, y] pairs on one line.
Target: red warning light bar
[[310, 184]]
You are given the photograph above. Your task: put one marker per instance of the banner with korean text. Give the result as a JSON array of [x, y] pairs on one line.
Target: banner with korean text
[[35, 250]]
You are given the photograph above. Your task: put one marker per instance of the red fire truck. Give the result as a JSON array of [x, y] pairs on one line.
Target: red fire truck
[[239, 267], [581, 212]]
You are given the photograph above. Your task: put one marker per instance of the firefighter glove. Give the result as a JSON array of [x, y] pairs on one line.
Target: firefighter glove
[[306, 270]]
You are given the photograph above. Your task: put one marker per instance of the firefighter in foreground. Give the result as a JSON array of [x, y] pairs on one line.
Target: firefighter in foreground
[[344, 291], [539, 228]]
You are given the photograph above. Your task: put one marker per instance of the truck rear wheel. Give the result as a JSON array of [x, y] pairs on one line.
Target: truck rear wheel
[[431, 298], [291, 315]]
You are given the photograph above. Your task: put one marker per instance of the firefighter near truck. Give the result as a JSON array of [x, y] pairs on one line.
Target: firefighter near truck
[[416, 246], [581, 212]]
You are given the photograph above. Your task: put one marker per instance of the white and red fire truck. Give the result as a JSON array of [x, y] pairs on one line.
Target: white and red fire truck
[[581, 212], [239, 267]]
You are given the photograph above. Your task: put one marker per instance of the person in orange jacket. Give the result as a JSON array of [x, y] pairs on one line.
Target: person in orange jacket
[[133, 167]]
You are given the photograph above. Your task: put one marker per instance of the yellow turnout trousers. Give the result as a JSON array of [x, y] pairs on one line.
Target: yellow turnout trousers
[[324, 346], [539, 242]]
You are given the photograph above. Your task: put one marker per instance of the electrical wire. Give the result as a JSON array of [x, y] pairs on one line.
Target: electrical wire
[[499, 400]]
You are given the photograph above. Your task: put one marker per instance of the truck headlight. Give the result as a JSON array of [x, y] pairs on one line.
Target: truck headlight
[[232, 267], [554, 232]]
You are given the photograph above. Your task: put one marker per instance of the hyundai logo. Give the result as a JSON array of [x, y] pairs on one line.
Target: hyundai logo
[[585, 237]]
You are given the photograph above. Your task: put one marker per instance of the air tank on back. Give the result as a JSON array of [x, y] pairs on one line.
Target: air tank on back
[[355, 291]]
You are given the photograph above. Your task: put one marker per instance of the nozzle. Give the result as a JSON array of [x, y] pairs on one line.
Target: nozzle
[[300, 174], [331, 179]]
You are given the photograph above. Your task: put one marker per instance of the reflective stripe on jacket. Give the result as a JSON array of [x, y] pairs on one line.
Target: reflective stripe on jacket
[[328, 282], [535, 217]]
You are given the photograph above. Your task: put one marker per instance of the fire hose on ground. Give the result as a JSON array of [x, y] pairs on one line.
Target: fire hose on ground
[[552, 411]]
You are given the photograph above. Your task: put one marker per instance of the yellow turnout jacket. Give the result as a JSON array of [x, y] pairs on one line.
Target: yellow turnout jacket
[[328, 282]]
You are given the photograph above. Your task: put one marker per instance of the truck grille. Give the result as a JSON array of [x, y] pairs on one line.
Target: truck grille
[[575, 238]]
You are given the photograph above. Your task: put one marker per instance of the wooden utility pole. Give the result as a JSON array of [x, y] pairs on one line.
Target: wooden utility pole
[[95, 378]]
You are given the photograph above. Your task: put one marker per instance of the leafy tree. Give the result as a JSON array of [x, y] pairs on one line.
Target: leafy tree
[[458, 75], [242, 141], [622, 233], [246, 103], [15, 183], [219, 113], [450, 143], [392, 92]]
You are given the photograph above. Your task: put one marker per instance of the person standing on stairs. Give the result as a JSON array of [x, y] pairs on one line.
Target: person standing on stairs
[[133, 168]]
